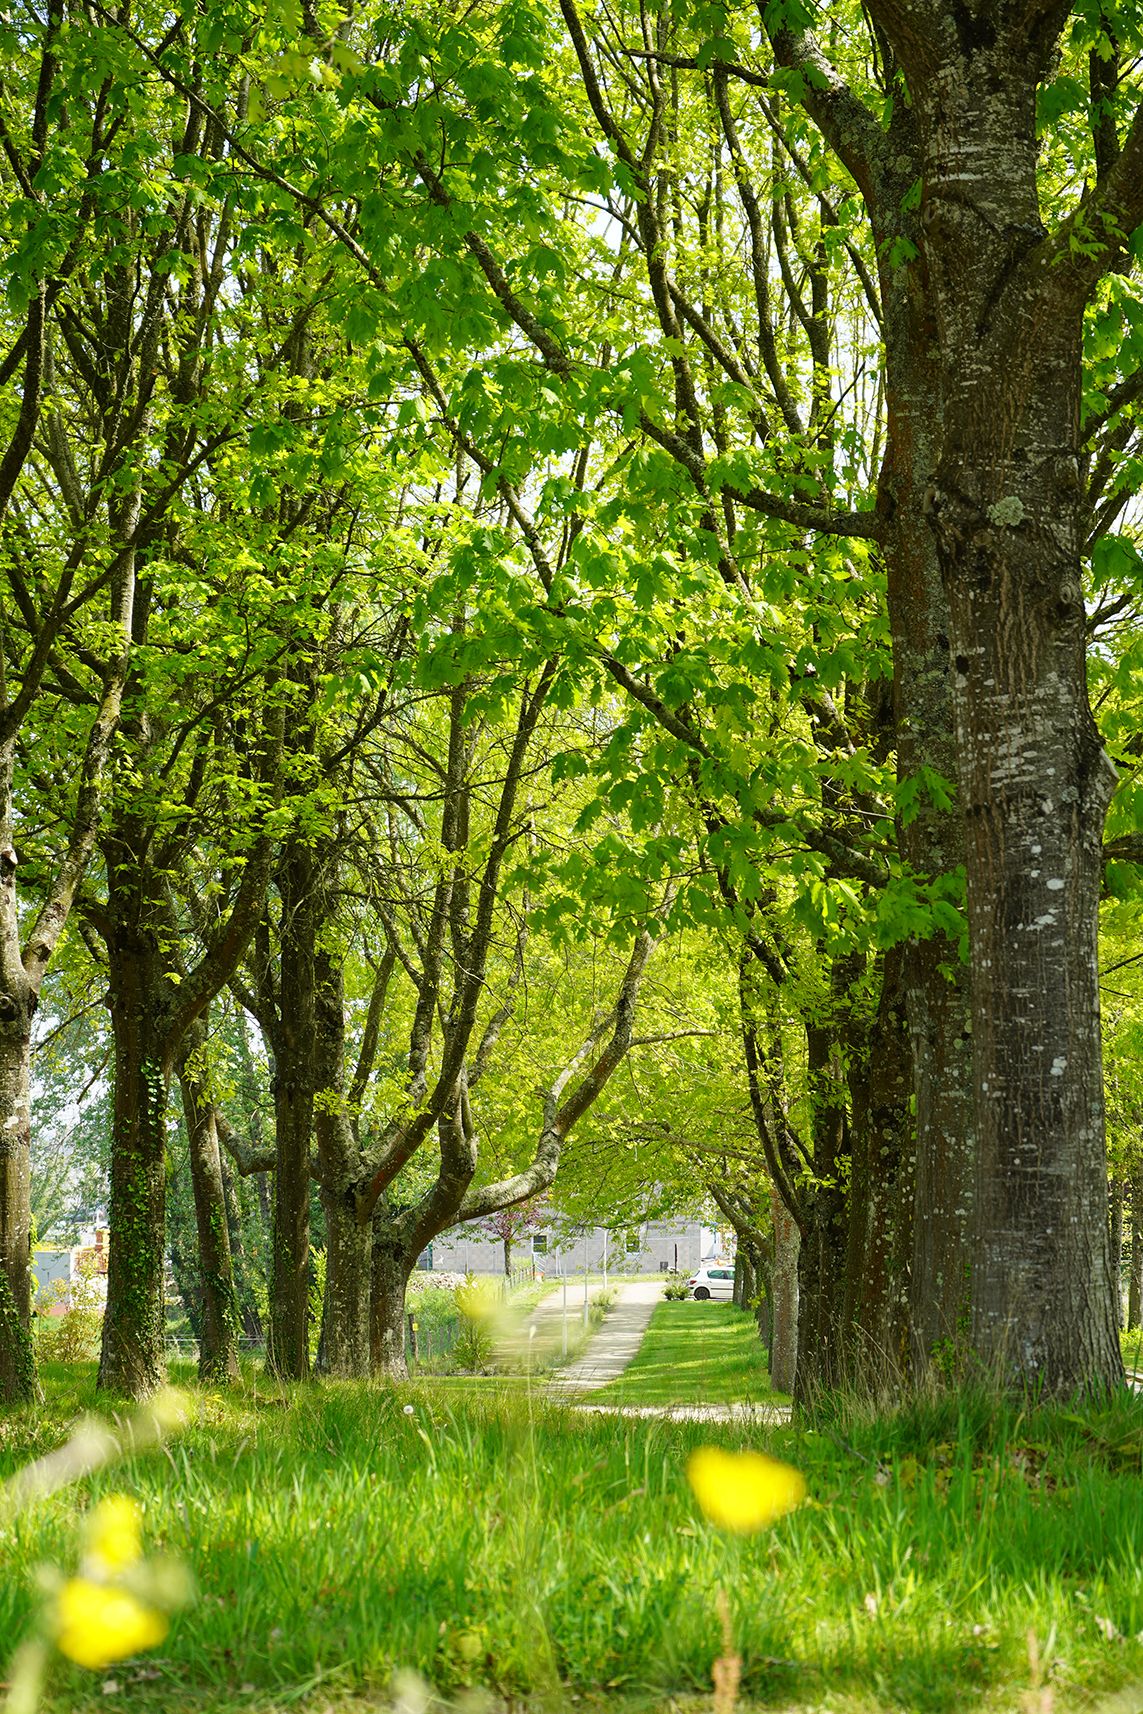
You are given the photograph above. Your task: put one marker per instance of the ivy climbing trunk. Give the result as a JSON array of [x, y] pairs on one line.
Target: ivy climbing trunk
[[218, 1332]]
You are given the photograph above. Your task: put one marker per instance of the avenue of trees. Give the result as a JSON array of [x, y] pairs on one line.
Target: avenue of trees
[[570, 617]]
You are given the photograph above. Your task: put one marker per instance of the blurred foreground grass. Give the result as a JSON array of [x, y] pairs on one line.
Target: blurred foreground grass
[[509, 1550]]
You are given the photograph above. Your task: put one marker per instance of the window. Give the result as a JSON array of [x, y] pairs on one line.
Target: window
[[539, 1243]]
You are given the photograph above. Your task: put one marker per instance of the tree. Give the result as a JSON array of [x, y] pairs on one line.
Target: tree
[[507, 1225]]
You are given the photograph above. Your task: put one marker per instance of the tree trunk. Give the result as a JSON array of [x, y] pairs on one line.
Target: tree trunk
[[1135, 1285], [881, 1191], [218, 1330], [507, 1258], [784, 1297], [131, 1359], [288, 1345], [825, 1234], [392, 1265], [932, 839], [1035, 784], [344, 1353], [1115, 1194], [18, 1384]]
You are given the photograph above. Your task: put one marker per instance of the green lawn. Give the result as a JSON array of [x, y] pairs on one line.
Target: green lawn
[[502, 1543], [694, 1353]]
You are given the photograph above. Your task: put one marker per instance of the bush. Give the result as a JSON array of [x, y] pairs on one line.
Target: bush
[[74, 1336]]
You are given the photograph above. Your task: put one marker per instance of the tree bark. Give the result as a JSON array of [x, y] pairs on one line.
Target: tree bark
[[825, 1221], [1135, 1285], [932, 840], [393, 1262], [344, 1353], [784, 1297], [219, 1322], [881, 1192], [1115, 1197], [1009, 517], [131, 1358], [288, 1345], [18, 1384]]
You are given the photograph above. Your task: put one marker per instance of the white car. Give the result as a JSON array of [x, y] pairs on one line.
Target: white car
[[712, 1282]]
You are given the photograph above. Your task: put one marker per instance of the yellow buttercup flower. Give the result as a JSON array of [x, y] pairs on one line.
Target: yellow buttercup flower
[[97, 1624], [743, 1491], [113, 1537]]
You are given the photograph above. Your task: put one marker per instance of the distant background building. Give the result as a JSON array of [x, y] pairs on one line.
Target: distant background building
[[55, 1271], [652, 1247]]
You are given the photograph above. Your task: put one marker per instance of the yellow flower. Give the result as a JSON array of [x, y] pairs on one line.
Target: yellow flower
[[743, 1491], [113, 1537], [97, 1624]]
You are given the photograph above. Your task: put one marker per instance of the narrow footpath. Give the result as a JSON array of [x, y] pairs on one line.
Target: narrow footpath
[[611, 1348]]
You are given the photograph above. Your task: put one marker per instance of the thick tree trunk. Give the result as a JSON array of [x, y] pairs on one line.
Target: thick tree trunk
[[784, 1297], [1135, 1284], [218, 1329], [344, 1353], [1009, 516], [18, 1383], [932, 840], [881, 1193], [131, 1358], [288, 1346], [825, 1230], [392, 1265]]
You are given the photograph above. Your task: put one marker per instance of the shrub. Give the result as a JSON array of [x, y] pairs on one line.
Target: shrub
[[74, 1336]]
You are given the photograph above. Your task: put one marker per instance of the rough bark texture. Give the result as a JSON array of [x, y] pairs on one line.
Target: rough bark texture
[[825, 1220], [131, 1359], [1008, 512], [784, 1297], [288, 1345], [1115, 1199], [219, 1320], [393, 1262], [17, 1353], [881, 1191], [344, 1347], [344, 1352], [931, 840], [1135, 1283]]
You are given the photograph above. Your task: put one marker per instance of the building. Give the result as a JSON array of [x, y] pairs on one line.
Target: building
[[55, 1272], [651, 1247]]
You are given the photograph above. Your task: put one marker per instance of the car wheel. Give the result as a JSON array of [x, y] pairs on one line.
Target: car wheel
[[701, 1293]]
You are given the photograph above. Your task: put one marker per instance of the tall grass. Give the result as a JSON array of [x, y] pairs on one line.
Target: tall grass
[[501, 1541]]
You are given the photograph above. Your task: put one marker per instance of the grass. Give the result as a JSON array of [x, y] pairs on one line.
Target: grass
[[694, 1353], [1131, 1344], [498, 1543]]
